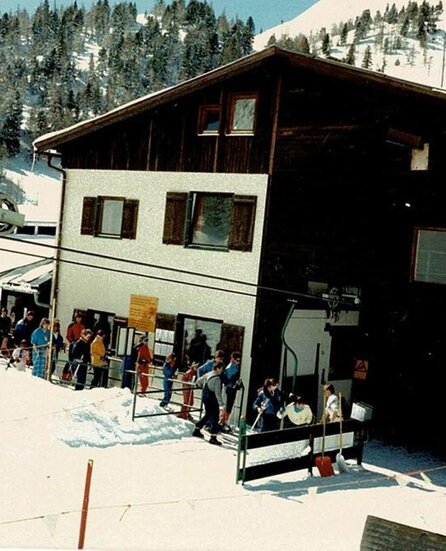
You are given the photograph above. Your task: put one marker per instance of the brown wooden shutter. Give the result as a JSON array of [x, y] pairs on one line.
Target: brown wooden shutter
[[231, 339], [175, 218], [242, 225], [130, 219], [88, 224]]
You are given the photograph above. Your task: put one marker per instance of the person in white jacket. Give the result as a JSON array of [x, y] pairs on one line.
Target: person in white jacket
[[331, 411], [298, 412]]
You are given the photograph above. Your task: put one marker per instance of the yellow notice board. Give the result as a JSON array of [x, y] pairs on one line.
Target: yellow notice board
[[142, 313]]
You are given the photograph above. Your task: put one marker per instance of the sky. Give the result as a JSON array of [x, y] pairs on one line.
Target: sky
[[155, 487], [266, 13]]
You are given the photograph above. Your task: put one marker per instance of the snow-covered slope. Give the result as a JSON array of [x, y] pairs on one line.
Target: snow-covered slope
[[323, 14], [394, 55]]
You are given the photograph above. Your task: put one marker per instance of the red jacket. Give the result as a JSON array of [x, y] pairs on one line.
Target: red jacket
[[74, 331]]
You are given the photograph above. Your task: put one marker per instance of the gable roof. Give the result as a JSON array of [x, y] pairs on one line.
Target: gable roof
[[329, 67]]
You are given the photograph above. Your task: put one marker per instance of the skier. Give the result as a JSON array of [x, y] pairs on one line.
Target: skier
[[169, 370], [213, 403]]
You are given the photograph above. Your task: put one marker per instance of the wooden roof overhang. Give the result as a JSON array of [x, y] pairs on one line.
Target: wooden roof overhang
[[325, 67]]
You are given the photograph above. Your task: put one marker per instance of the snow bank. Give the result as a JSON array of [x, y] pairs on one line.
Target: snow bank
[[171, 492]]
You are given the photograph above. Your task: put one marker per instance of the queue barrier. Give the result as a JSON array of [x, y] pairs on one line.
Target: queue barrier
[[306, 442]]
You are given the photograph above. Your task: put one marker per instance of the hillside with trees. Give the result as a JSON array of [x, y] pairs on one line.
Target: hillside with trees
[[62, 65], [407, 42]]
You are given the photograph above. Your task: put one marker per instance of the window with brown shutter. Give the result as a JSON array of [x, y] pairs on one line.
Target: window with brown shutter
[[130, 219], [219, 221], [175, 218], [110, 217], [243, 218], [88, 224]]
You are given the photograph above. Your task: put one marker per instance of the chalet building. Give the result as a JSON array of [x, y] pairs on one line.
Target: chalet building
[[277, 177]]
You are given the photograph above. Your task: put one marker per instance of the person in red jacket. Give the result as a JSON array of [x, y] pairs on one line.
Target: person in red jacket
[[188, 392], [143, 361], [74, 331]]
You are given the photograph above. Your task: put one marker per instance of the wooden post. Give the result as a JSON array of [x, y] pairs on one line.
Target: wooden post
[[85, 505], [49, 352]]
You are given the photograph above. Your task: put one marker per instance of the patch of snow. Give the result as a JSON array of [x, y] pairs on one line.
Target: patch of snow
[[323, 14]]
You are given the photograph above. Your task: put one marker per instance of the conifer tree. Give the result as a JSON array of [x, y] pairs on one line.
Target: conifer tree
[[10, 130], [272, 40], [350, 58], [301, 44], [326, 44], [344, 34], [367, 59]]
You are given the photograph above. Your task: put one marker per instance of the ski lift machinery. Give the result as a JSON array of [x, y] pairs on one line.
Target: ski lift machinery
[[305, 340], [10, 217]]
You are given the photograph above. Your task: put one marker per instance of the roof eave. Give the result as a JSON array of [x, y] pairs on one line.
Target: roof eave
[[146, 103], [51, 141]]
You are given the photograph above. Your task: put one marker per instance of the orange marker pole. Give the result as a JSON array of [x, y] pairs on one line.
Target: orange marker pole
[[85, 504]]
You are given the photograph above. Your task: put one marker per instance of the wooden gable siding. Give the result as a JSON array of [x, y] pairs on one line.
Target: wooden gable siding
[[167, 139], [327, 121]]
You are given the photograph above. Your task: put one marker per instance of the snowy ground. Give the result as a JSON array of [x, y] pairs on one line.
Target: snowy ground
[[156, 487]]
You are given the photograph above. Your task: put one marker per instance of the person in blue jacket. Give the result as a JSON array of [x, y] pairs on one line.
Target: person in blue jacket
[[40, 339], [268, 403], [231, 381], [208, 366], [169, 370]]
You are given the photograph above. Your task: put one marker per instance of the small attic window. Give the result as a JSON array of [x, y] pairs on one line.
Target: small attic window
[[242, 113], [209, 119]]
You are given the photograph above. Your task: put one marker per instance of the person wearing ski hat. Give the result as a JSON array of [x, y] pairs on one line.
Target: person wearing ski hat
[[213, 403]]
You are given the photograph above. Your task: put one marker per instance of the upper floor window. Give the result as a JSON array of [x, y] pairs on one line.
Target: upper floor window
[[209, 119], [429, 262], [210, 220], [242, 113], [110, 217]]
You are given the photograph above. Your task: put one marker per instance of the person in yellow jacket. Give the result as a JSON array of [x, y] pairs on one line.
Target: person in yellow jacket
[[98, 361]]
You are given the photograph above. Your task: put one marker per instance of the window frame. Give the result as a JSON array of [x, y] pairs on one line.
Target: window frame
[[100, 216], [192, 201], [92, 217], [177, 223], [233, 98], [415, 251], [204, 110]]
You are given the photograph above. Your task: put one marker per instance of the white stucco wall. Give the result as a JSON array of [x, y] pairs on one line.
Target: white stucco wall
[[82, 286]]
